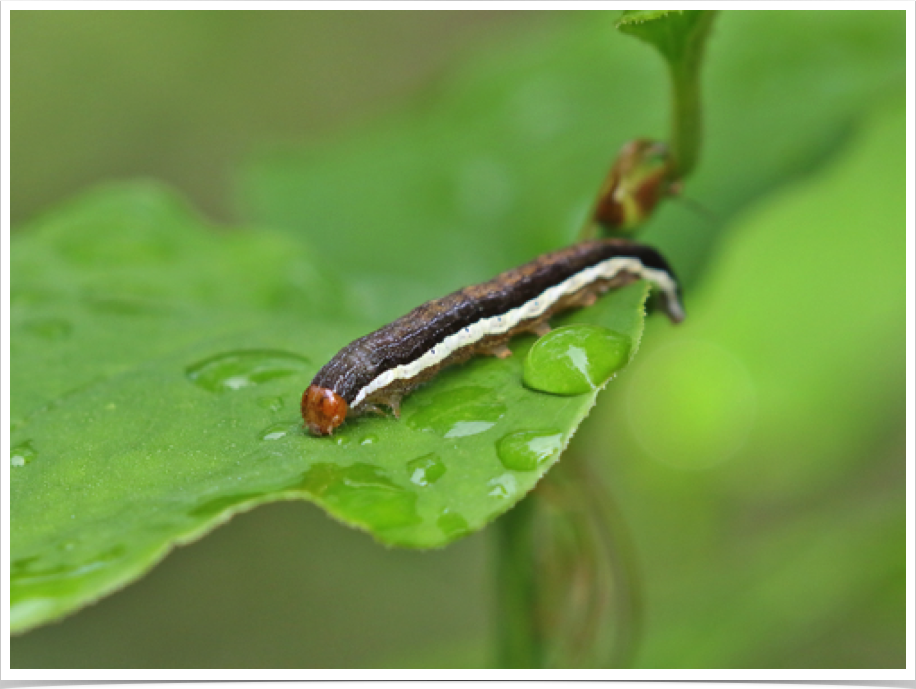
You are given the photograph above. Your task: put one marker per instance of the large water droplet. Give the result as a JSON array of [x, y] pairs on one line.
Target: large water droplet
[[242, 369], [458, 412], [527, 450], [22, 454], [425, 470], [575, 359]]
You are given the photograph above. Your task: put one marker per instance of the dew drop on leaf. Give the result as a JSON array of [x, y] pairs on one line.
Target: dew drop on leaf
[[22, 454], [576, 359], [276, 431], [425, 470], [452, 523], [527, 450], [504, 486], [245, 368]]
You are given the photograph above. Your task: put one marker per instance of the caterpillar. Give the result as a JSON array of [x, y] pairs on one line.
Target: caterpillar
[[383, 366]]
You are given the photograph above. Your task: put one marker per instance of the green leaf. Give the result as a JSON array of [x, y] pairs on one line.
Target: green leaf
[[677, 34], [158, 371]]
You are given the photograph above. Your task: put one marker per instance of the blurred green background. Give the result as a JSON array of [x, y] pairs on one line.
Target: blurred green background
[[755, 454]]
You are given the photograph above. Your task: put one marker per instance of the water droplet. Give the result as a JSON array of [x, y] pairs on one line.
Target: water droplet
[[504, 486], [575, 359], [270, 403], [425, 470], [527, 450], [48, 328], [22, 454], [278, 430], [463, 428], [369, 440], [452, 523], [457, 412], [361, 493], [342, 440], [242, 369]]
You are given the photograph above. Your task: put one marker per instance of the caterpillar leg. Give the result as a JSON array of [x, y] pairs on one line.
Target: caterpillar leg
[[498, 350], [541, 328]]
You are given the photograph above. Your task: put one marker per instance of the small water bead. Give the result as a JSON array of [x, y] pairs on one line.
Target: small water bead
[[369, 440], [244, 368], [277, 430], [452, 523], [576, 359], [464, 428], [22, 454], [425, 470], [527, 450], [504, 486]]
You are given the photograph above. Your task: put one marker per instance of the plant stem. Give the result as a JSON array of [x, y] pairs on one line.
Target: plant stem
[[686, 124], [519, 643]]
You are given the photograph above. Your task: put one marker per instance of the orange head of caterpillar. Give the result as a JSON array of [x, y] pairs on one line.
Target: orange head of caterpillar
[[323, 409]]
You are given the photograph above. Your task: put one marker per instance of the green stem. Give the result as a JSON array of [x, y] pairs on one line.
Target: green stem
[[686, 124], [519, 645]]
